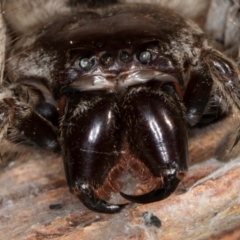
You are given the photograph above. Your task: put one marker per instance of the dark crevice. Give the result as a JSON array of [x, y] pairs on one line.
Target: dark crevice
[[92, 3]]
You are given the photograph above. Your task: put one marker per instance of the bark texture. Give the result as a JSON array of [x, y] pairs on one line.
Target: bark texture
[[36, 204]]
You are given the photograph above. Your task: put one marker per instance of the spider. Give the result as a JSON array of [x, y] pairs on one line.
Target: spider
[[116, 88]]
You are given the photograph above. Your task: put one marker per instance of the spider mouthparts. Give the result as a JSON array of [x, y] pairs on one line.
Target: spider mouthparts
[[170, 184], [91, 201]]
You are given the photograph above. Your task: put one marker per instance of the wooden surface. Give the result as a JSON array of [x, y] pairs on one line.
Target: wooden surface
[[206, 205]]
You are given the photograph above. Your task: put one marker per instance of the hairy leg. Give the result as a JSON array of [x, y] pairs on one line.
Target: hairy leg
[[26, 117]]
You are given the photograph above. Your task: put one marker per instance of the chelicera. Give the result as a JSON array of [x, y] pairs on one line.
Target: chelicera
[[125, 79]]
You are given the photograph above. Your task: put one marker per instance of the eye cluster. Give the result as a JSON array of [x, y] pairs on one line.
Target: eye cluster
[[144, 54], [145, 57], [86, 63]]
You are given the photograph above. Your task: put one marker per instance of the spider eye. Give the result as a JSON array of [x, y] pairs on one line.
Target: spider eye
[[107, 59], [145, 57], [86, 63], [125, 56]]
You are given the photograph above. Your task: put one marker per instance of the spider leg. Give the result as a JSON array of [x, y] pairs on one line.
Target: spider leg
[[226, 76], [21, 123], [196, 95]]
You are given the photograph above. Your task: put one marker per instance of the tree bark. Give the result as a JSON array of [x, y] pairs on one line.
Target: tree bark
[[36, 204]]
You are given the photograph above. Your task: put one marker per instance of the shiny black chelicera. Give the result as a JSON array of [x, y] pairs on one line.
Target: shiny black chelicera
[[121, 85]]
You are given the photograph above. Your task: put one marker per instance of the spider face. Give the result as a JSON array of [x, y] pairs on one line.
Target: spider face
[[125, 84]]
